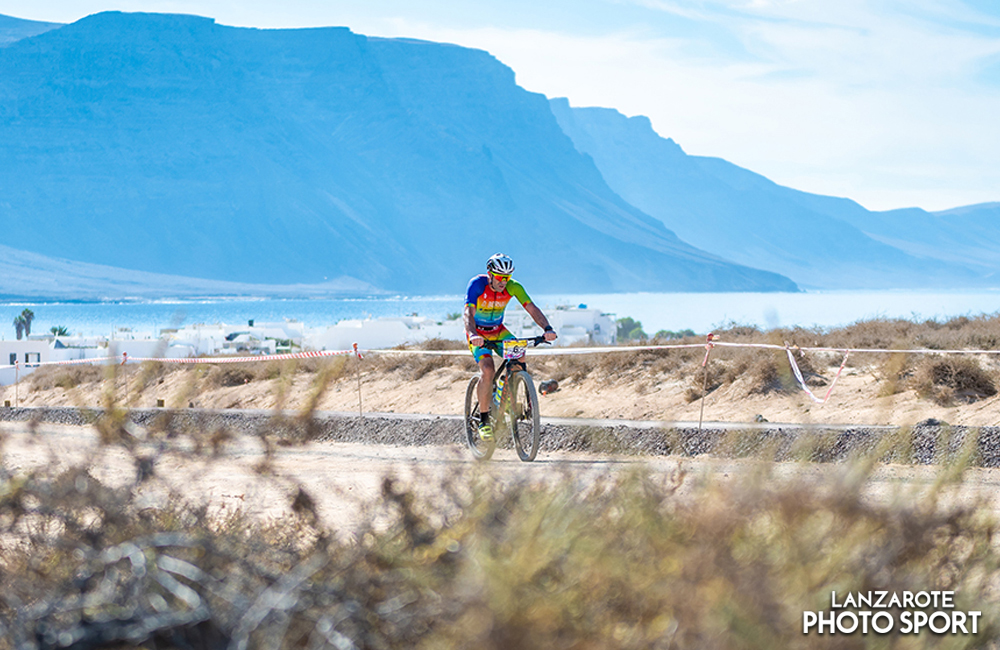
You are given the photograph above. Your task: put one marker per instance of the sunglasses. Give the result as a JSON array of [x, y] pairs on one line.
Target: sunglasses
[[500, 278]]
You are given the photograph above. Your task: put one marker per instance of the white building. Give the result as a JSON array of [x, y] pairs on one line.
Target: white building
[[252, 338], [24, 353], [575, 325], [373, 334]]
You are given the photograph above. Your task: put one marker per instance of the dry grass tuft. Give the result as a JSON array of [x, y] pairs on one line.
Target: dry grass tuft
[[228, 376], [950, 379], [66, 377]]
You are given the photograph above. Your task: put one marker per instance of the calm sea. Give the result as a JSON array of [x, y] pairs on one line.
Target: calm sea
[[700, 312]]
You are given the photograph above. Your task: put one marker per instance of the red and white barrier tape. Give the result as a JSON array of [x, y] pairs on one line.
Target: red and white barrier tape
[[709, 344], [802, 382], [124, 358]]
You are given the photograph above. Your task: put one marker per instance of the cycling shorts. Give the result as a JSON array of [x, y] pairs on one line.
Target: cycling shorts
[[501, 333]]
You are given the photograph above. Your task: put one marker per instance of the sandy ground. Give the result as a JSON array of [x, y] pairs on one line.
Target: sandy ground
[[342, 477], [858, 397]]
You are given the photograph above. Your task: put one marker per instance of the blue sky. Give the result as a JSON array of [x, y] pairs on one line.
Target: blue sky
[[893, 103]]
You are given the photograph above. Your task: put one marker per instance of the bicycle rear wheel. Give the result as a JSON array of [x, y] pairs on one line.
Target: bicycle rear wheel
[[480, 448], [523, 417]]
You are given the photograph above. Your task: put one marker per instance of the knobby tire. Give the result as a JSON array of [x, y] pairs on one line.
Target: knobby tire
[[480, 449], [523, 416]]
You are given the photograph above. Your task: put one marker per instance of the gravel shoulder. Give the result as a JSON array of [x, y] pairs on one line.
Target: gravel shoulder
[[927, 443]]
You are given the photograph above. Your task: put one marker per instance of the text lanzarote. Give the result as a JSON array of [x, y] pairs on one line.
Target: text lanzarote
[[882, 612]]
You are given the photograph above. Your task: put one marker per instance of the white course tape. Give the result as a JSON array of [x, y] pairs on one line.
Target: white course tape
[[802, 382], [546, 351], [124, 358], [772, 346]]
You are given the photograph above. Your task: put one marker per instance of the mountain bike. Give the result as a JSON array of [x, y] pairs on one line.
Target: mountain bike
[[514, 407]]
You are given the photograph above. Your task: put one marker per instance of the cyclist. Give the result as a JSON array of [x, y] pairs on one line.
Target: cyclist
[[485, 302]]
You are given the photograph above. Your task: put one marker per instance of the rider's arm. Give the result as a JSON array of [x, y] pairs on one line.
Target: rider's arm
[[543, 322], [469, 319], [475, 288]]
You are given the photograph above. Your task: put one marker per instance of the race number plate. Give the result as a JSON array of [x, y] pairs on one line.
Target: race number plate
[[514, 349]]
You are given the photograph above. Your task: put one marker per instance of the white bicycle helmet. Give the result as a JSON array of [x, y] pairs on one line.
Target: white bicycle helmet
[[500, 264]]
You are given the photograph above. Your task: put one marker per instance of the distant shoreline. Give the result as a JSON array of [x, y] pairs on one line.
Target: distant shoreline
[[699, 312]]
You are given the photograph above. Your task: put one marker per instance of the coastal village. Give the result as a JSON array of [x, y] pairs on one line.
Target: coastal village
[[577, 325]]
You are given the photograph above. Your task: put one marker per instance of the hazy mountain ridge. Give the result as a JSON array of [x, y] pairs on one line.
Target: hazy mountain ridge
[[968, 235], [14, 29], [818, 241], [173, 145], [31, 276]]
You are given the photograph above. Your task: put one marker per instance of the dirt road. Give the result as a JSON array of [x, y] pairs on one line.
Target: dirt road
[[345, 477]]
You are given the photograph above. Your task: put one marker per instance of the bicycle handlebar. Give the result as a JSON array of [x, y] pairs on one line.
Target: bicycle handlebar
[[494, 345]]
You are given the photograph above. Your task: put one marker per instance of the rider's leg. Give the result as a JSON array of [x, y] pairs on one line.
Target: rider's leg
[[485, 388]]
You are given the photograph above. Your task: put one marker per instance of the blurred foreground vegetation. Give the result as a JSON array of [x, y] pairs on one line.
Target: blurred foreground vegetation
[[479, 559]]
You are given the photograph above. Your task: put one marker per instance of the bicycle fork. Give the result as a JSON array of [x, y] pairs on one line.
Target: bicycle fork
[[499, 397]]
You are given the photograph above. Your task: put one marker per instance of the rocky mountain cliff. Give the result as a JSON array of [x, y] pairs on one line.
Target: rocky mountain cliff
[[170, 144], [818, 241]]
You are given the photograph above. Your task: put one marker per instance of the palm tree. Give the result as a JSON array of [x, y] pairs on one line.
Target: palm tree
[[19, 326], [28, 316], [59, 330]]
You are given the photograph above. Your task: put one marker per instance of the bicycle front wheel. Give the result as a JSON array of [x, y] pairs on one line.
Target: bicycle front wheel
[[523, 417], [481, 449]]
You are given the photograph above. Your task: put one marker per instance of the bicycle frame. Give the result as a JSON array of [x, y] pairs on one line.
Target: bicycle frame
[[509, 379], [512, 362]]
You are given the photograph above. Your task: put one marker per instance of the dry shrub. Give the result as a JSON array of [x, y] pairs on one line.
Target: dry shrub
[[706, 380], [761, 371], [441, 344], [416, 366], [894, 372], [273, 369], [427, 365], [735, 331], [226, 376], [953, 378], [67, 377], [963, 332], [644, 365], [151, 373], [770, 373], [313, 364], [572, 366], [880, 333]]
